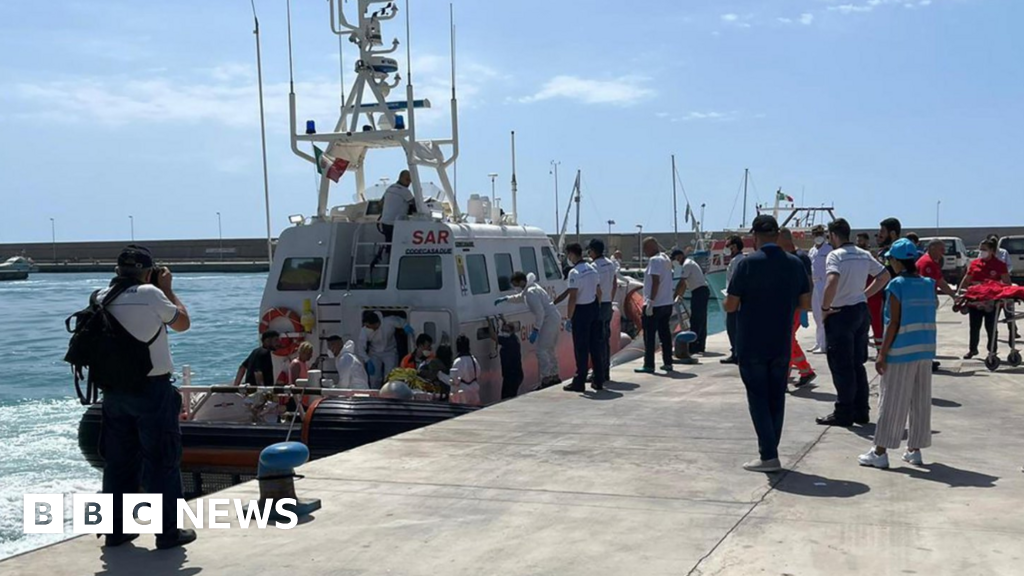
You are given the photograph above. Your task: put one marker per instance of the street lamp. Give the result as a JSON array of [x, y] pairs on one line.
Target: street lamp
[[131, 220], [610, 224], [554, 166], [937, 205], [220, 236], [640, 243], [53, 235]]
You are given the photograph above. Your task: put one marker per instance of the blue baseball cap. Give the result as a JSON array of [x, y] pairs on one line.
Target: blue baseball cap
[[903, 249]]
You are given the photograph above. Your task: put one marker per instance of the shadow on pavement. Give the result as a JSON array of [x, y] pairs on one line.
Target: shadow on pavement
[[605, 394], [812, 485], [952, 477], [945, 403], [131, 560], [676, 375], [621, 386], [812, 394]]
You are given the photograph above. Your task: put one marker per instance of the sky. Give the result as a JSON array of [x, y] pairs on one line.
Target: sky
[[118, 108]]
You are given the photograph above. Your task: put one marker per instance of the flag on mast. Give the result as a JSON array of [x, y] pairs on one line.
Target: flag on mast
[[688, 213], [335, 166], [783, 197]]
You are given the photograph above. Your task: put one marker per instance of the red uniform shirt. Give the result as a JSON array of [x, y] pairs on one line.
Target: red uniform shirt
[[987, 270], [929, 268]]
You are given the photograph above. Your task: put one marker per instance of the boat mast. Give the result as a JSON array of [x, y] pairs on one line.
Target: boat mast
[[579, 185], [675, 207], [263, 122], [746, 176], [515, 191]]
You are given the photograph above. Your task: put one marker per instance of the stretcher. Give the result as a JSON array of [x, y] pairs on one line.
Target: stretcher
[[1002, 300]]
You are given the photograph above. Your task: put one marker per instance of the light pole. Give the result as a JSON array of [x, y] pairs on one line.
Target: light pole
[[220, 237], [610, 224], [53, 236], [937, 205], [494, 198], [131, 220], [554, 166], [640, 243]]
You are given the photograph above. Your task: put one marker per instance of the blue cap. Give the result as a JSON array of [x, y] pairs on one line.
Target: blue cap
[[902, 249]]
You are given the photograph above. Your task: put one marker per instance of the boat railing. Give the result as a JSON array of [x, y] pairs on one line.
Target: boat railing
[[374, 259], [195, 397]]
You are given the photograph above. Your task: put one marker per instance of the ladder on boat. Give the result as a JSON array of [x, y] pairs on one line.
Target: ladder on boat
[[369, 257]]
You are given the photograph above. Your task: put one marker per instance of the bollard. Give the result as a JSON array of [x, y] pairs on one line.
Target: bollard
[[276, 476], [682, 347]]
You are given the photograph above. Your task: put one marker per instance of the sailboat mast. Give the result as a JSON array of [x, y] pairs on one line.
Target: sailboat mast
[[746, 176], [579, 185], [675, 206]]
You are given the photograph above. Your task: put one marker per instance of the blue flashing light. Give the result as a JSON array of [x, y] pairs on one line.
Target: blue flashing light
[[399, 122], [310, 127]]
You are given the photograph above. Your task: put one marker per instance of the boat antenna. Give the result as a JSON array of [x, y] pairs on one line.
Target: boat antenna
[[746, 177], [451, 22], [341, 58], [291, 69], [579, 174], [515, 191], [263, 121], [675, 205]]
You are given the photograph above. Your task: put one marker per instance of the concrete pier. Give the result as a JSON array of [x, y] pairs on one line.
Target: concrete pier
[[643, 478]]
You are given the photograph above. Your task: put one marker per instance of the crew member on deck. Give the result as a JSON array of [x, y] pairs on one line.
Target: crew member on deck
[[546, 324], [584, 323], [692, 277], [399, 203], [377, 347], [607, 272]]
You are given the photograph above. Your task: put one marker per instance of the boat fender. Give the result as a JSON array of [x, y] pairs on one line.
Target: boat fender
[[396, 391], [289, 345], [276, 475]]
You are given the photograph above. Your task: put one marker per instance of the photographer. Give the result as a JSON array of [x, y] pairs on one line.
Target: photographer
[[141, 438]]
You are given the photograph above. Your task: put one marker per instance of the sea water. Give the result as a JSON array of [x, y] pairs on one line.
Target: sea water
[[39, 411]]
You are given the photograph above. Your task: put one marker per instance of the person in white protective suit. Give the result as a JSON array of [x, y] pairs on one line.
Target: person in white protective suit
[[376, 346], [818, 255], [351, 372], [547, 323]]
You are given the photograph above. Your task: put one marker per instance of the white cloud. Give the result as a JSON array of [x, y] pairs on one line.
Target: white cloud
[[737, 20], [785, 20], [623, 91], [871, 5], [730, 17], [709, 116], [807, 19]]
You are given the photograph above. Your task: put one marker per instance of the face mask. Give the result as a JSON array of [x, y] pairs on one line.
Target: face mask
[[819, 240], [518, 289], [330, 353], [985, 254]]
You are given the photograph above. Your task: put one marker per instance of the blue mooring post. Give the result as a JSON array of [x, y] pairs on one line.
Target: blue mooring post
[[276, 475], [682, 345]]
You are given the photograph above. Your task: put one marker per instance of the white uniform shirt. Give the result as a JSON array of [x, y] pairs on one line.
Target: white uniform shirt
[[143, 310], [819, 257], [733, 263], [1004, 256], [693, 275], [584, 279], [607, 270], [396, 204], [854, 266], [381, 341], [351, 372], [661, 267]]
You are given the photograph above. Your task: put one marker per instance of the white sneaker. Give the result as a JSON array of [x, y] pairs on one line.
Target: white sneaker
[[819, 351], [913, 458], [870, 458], [758, 465]]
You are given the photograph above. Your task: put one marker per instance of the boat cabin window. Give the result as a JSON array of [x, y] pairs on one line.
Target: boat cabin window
[[528, 261], [479, 283], [503, 262], [300, 274], [551, 269], [419, 273]]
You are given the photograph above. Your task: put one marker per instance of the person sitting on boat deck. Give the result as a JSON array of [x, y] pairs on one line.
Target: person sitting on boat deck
[[864, 241], [510, 352], [141, 439], [798, 359], [465, 374], [584, 319], [607, 273], [399, 203], [299, 367], [547, 323], [819, 256], [691, 276], [351, 372], [767, 290], [657, 306], [424, 352], [377, 346], [436, 370], [258, 368], [986, 268], [734, 245]]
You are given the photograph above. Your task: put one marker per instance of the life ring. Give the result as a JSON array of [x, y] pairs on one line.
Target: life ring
[[289, 345]]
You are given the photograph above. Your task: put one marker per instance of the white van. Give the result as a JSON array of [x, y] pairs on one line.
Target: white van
[[955, 263], [1014, 245]]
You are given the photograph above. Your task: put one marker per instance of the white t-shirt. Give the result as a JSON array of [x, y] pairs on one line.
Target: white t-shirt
[[854, 266], [693, 275], [143, 310], [1004, 256], [396, 204], [584, 279], [606, 271], [661, 267], [819, 256]]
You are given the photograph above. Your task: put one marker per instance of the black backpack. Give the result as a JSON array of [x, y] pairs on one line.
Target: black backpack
[[102, 347]]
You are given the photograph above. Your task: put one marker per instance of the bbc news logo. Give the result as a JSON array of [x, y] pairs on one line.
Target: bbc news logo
[[143, 513]]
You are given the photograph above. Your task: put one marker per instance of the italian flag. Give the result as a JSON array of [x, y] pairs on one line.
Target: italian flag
[[783, 197], [335, 166]]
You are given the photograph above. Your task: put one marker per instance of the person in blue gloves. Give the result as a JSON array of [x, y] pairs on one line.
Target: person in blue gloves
[[546, 324], [377, 346]]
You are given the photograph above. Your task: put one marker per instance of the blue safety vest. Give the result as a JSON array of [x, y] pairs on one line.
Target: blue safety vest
[[916, 338]]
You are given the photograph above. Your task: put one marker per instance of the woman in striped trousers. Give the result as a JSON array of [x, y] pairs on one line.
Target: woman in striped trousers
[[905, 361]]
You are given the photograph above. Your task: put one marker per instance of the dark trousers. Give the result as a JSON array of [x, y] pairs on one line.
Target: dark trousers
[[656, 327], [586, 341], [605, 319], [846, 333], [140, 441], [765, 381], [699, 318], [730, 329], [978, 317], [510, 386]]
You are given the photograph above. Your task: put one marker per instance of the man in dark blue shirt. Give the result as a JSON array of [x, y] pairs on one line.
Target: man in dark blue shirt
[[768, 287]]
